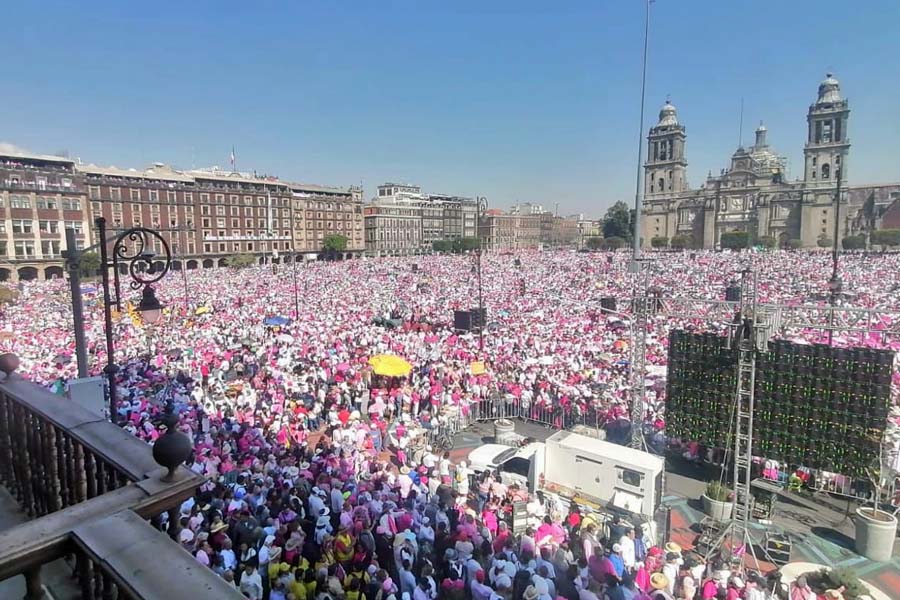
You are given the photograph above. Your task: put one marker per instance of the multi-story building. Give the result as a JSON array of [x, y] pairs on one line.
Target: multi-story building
[[754, 193], [459, 216], [526, 208], [393, 229], [440, 217], [204, 215], [563, 231], [321, 211], [504, 231], [40, 197]]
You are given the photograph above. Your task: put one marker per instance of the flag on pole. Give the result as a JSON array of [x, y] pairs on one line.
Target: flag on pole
[[232, 158]]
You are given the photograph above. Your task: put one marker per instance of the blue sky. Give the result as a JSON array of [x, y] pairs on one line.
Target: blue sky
[[516, 101]]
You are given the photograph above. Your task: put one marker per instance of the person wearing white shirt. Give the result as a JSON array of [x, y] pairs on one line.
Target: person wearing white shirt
[[626, 542], [251, 583]]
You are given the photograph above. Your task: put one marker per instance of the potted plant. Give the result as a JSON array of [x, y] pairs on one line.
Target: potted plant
[[717, 501], [876, 528]]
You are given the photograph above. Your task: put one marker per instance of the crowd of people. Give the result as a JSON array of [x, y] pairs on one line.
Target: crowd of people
[[321, 482]]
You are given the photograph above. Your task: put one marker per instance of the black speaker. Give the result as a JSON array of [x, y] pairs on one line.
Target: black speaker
[[415, 268], [479, 317], [607, 303], [733, 293], [462, 320], [609, 258]]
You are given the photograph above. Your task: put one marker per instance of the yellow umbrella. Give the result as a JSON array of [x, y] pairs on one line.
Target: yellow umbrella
[[390, 365]]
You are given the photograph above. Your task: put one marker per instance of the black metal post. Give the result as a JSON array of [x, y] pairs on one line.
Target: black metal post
[[111, 369], [834, 284], [130, 248], [73, 264], [482, 210], [296, 291]]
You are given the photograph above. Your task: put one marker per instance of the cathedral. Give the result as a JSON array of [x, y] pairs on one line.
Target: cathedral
[[754, 194]]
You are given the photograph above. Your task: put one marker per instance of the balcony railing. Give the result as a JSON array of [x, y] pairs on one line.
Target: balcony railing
[[91, 487]]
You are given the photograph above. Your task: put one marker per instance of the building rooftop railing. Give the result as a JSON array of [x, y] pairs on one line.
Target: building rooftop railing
[[90, 488]]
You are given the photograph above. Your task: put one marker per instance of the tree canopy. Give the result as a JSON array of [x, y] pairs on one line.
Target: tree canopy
[[239, 261], [734, 240], [335, 242], [617, 222], [659, 242]]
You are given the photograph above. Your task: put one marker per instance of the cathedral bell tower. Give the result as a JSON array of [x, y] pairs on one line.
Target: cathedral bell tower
[[827, 142], [665, 172]]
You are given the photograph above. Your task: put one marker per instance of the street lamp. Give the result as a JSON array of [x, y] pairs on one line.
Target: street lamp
[[131, 249], [482, 318]]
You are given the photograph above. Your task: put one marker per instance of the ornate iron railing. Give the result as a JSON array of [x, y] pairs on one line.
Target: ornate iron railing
[[91, 488]]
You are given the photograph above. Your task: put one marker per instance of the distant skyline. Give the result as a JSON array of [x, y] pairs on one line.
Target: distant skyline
[[517, 101]]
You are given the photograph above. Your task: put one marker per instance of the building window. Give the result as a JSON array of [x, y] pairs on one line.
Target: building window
[[220, 210], [46, 203], [94, 192], [22, 226], [24, 249], [49, 226], [220, 198], [220, 222], [207, 248], [115, 194], [154, 196], [19, 202], [74, 226], [171, 197], [826, 171], [135, 195], [75, 204], [50, 248]]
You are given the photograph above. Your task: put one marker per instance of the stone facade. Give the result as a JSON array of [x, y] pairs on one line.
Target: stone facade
[[203, 215], [753, 194], [503, 231]]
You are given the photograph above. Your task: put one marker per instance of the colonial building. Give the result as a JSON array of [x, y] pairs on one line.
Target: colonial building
[[504, 231], [204, 215], [754, 194], [393, 229], [40, 197], [438, 217]]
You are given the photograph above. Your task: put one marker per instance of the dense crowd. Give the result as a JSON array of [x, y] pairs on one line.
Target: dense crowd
[[321, 480]]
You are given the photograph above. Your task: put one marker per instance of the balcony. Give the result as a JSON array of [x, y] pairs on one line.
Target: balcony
[[89, 489]]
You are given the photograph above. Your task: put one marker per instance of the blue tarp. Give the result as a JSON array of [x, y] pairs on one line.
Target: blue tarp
[[276, 321]]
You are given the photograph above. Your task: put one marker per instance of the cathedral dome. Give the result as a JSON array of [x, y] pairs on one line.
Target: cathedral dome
[[667, 115], [829, 90]]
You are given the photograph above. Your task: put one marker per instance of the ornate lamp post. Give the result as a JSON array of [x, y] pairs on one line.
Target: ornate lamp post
[[130, 248]]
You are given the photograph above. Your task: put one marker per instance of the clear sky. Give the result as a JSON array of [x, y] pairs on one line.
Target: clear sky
[[516, 101]]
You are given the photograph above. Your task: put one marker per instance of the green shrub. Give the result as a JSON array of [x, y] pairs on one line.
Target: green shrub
[[718, 491]]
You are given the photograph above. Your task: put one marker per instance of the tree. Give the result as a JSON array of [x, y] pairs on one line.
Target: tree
[[735, 240], [441, 246], [613, 243], [335, 243], [594, 243], [467, 243], [767, 241], [659, 241], [886, 238], [89, 264], [824, 242], [791, 244], [682, 241], [239, 261], [617, 221], [854, 242]]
